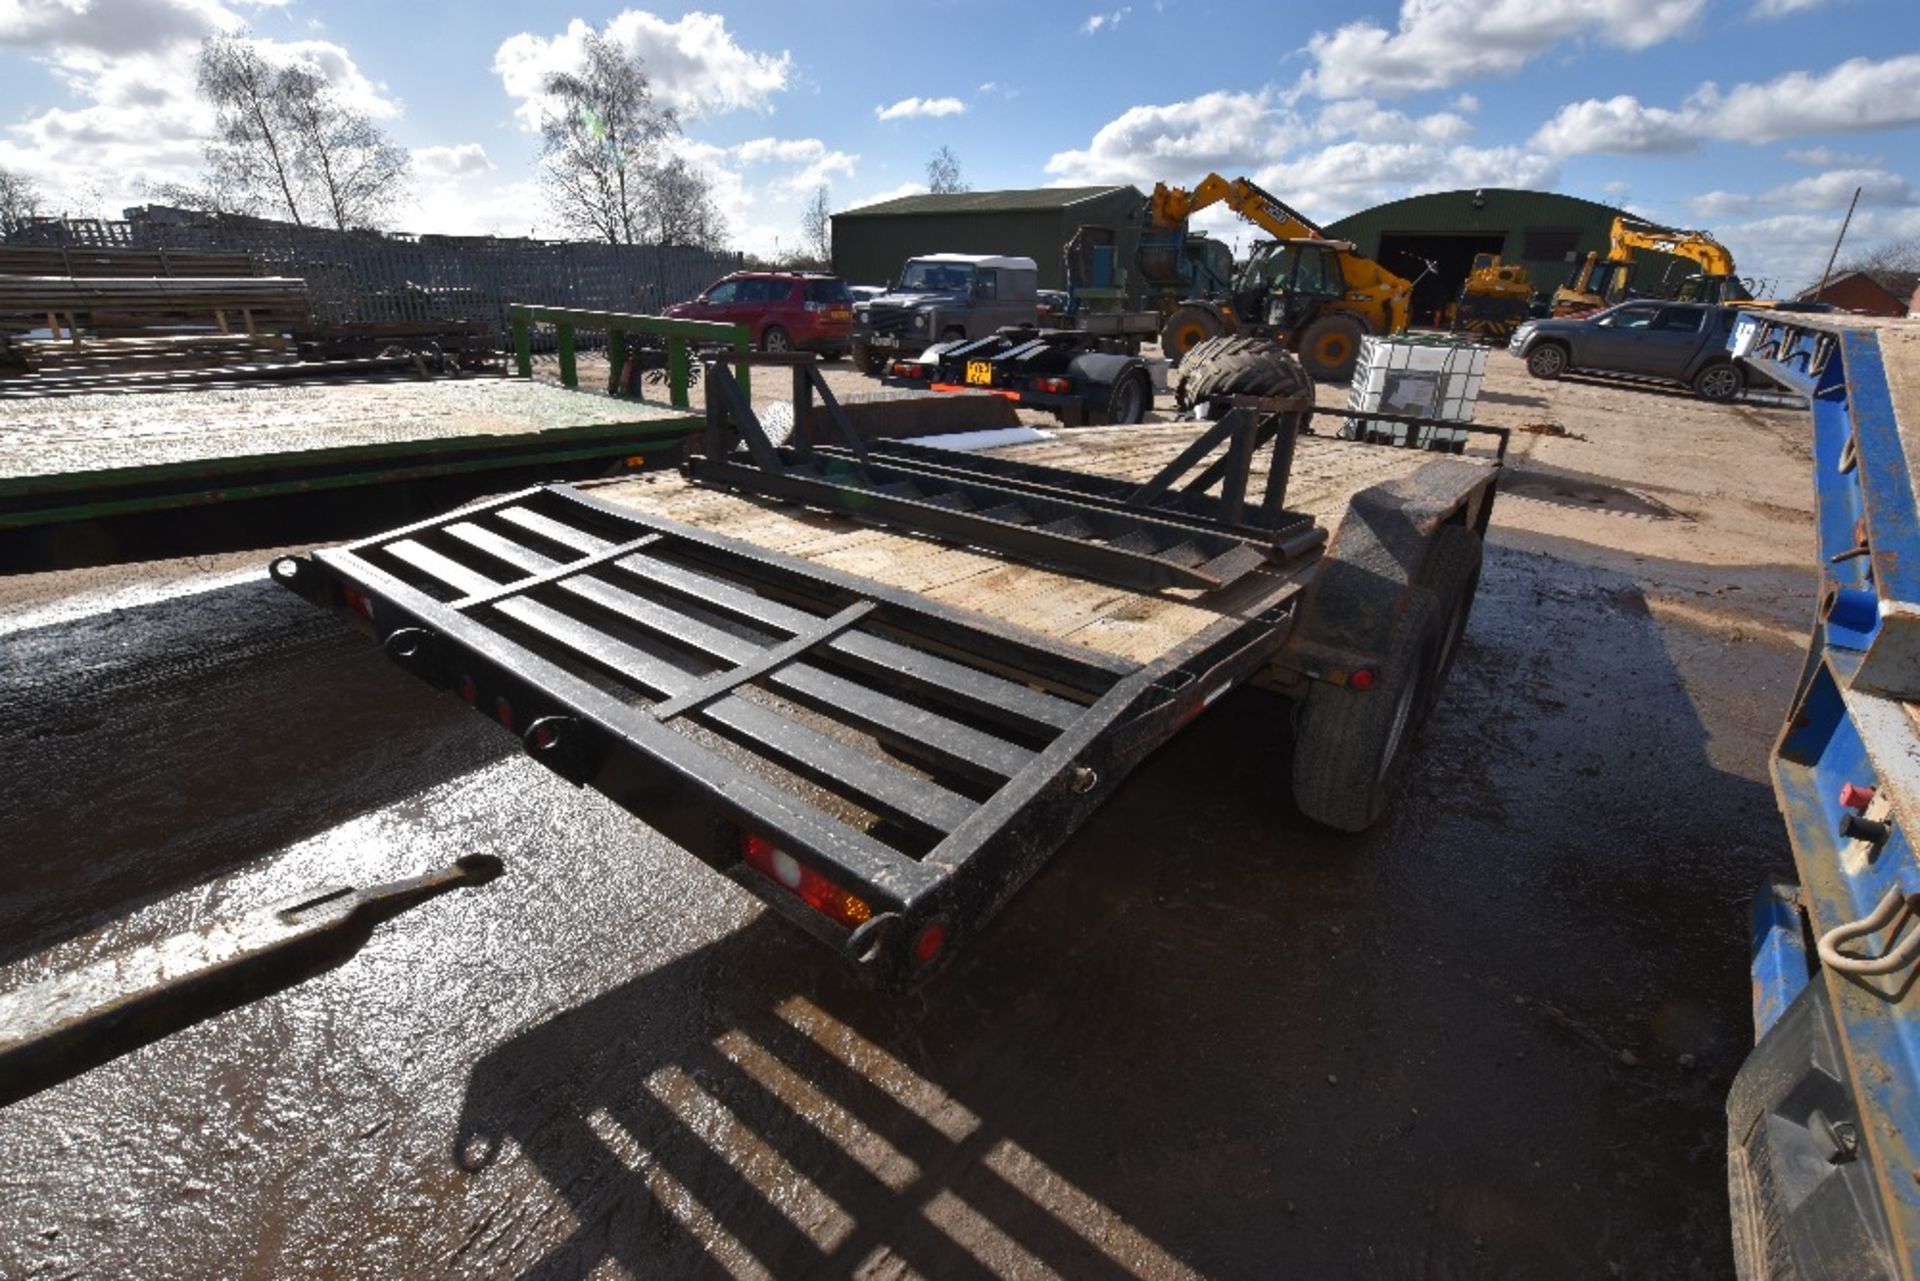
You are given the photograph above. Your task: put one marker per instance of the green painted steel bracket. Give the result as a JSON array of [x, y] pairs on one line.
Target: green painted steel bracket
[[619, 328]]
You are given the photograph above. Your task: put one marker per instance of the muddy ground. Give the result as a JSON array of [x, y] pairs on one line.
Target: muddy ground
[[1490, 1038]]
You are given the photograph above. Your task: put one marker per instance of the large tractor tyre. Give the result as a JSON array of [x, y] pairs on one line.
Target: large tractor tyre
[[1186, 329], [1452, 577], [1238, 367], [1350, 745], [1331, 347]]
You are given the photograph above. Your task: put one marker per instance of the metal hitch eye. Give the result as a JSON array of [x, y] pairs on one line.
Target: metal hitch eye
[[287, 569], [545, 734]]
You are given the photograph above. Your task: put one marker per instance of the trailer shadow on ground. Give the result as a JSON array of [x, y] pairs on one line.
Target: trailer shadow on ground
[[139, 765], [1490, 1038]]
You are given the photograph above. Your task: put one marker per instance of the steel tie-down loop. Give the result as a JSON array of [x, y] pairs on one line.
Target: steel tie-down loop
[[1897, 957]]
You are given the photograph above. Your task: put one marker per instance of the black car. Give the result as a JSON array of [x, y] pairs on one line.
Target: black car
[[1674, 342]]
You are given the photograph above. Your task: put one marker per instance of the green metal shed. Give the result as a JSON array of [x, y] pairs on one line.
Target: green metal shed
[[1547, 233], [870, 243]]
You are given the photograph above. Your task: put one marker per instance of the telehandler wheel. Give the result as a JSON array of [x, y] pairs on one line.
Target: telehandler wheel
[[1186, 329], [1350, 745], [1331, 347], [1238, 367]]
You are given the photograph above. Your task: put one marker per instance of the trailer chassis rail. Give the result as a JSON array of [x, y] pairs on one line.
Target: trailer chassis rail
[[883, 770]]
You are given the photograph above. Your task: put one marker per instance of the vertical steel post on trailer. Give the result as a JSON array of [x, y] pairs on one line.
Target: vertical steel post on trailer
[[622, 330]]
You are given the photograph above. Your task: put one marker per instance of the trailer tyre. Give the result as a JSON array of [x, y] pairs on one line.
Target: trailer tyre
[[1452, 577], [1130, 399], [867, 360], [1350, 745], [1238, 367]]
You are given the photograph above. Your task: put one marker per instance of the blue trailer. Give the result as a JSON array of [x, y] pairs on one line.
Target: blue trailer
[[1823, 1117]]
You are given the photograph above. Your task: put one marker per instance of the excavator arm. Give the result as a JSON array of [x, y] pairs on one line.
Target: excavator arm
[[1713, 257], [1375, 293], [1172, 206]]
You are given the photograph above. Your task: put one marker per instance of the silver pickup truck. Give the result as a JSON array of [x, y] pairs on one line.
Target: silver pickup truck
[[1674, 342], [944, 298]]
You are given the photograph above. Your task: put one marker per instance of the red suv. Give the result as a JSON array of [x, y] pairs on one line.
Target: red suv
[[783, 310]]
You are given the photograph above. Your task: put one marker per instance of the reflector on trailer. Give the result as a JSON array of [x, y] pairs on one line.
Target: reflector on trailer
[[815, 890]]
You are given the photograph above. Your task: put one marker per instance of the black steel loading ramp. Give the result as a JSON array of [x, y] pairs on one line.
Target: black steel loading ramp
[[1168, 532], [884, 770]]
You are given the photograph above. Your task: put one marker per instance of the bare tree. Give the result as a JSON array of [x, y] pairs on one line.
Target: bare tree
[[353, 169], [681, 208], [252, 152], [943, 173], [602, 143], [1892, 256], [19, 199], [287, 143], [816, 227]]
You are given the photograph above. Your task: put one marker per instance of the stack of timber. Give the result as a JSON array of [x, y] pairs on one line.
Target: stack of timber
[[112, 260], [117, 306]]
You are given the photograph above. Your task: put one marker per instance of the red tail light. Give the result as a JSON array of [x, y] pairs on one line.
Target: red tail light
[[358, 602], [815, 890], [908, 369], [928, 945], [1058, 386]]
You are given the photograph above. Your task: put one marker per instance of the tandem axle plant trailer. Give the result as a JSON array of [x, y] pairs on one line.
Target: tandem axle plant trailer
[[1824, 1117], [879, 685]]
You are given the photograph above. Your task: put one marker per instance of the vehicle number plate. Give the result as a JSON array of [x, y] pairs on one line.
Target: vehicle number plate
[[841, 314], [979, 373]]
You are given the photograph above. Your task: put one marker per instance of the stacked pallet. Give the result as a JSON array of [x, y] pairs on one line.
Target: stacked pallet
[[121, 305]]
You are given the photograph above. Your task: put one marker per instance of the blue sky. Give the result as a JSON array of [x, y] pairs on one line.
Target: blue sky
[[1754, 118]]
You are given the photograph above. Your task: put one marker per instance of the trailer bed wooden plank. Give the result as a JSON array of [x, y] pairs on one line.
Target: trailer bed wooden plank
[[1137, 626]]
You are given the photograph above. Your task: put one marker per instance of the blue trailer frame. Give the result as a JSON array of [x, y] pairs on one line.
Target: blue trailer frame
[[1824, 1117]]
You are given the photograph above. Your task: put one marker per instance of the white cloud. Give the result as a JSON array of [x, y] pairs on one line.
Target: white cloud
[[1105, 21], [1347, 156], [914, 108], [1440, 43], [994, 89], [1858, 94], [128, 27], [1828, 158], [1781, 8], [694, 64], [1620, 124], [891, 193], [1466, 104], [456, 161]]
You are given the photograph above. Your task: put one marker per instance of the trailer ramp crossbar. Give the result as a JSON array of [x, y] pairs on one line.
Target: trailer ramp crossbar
[[872, 763], [1133, 544]]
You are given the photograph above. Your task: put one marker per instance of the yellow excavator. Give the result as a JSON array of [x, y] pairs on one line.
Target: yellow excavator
[[1316, 296], [1601, 282], [1495, 298]]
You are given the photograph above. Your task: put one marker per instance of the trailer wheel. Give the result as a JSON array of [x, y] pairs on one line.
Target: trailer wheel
[[1452, 576], [1238, 367], [1129, 400], [1350, 745], [867, 360]]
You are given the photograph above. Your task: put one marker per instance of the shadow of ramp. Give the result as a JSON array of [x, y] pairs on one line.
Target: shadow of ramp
[[766, 1136], [151, 748]]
